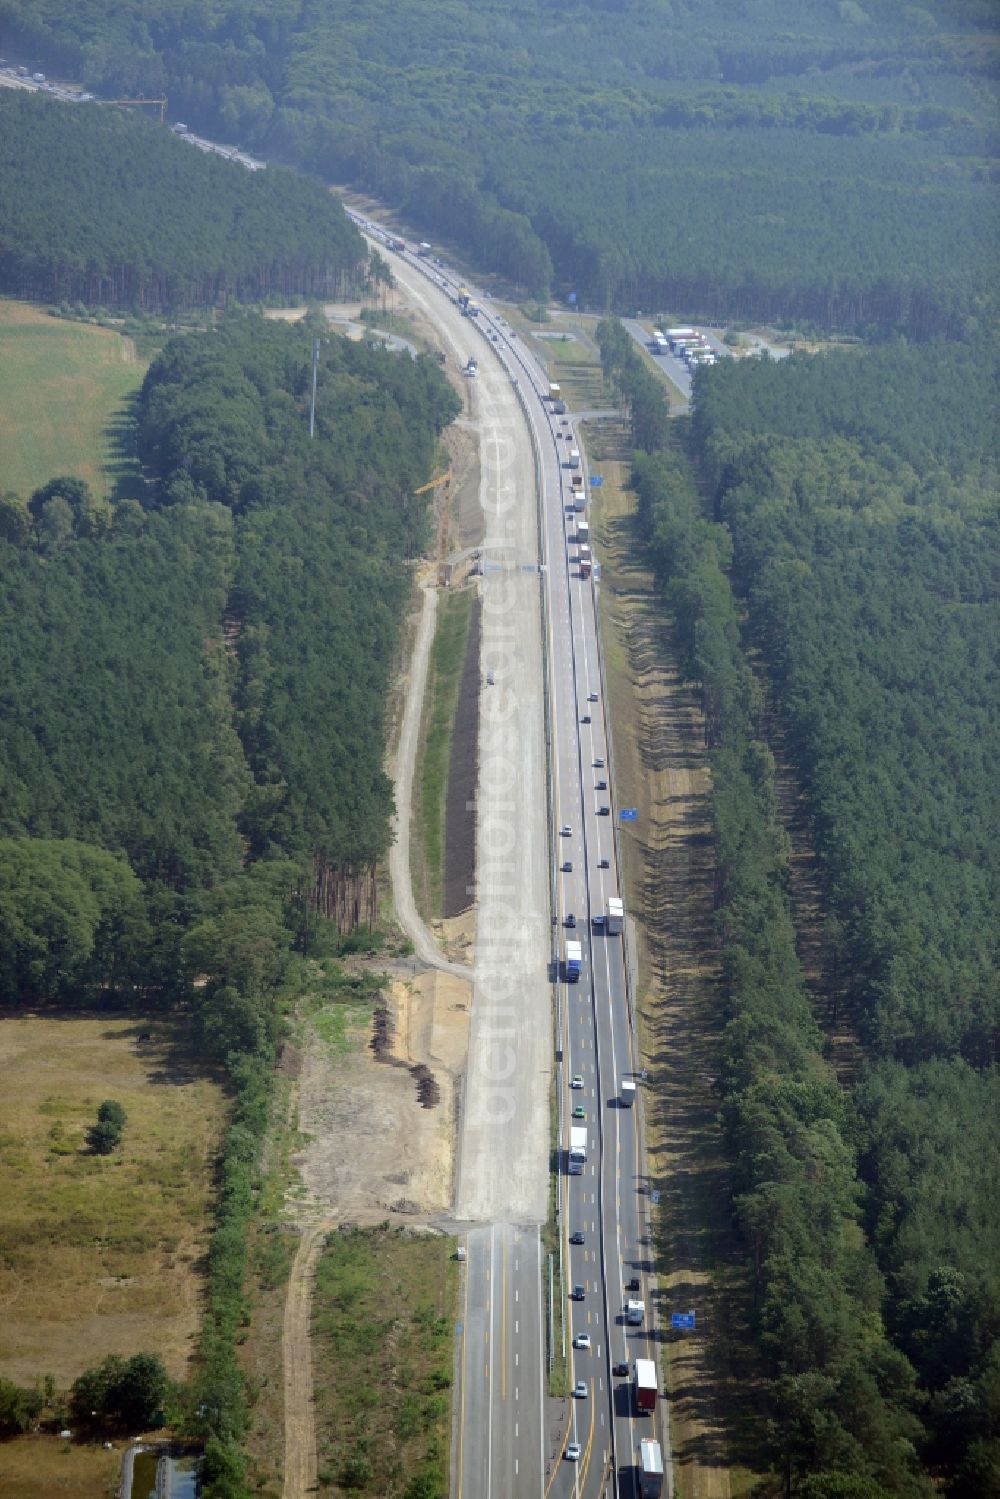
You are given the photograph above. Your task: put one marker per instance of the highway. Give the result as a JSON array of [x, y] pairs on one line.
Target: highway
[[544, 746], [510, 1438]]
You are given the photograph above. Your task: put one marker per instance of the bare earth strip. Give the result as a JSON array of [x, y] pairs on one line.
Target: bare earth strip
[[296, 1351], [663, 770]]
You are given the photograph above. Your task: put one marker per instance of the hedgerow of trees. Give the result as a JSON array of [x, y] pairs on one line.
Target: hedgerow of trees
[[846, 528]]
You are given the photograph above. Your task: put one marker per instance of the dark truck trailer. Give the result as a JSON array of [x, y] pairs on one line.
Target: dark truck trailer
[[645, 1386]]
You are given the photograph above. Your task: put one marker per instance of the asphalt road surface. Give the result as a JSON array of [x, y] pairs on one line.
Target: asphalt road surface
[[510, 1438]]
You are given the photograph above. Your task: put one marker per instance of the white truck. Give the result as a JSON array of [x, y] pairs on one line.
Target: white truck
[[555, 392], [577, 1155], [650, 1469], [634, 1313], [574, 457], [582, 531], [616, 916], [626, 1093], [574, 957]]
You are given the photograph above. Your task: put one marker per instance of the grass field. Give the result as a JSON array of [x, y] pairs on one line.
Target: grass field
[[101, 1254], [383, 1317], [444, 676], [44, 1467], [63, 389]]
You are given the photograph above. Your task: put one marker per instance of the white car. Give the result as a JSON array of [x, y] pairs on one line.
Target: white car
[[582, 1340], [576, 1081], [565, 831], [573, 1451], [580, 1390]]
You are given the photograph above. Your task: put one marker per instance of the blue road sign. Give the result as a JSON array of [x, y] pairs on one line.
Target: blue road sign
[[682, 1319], [571, 298], [596, 481], [629, 814]]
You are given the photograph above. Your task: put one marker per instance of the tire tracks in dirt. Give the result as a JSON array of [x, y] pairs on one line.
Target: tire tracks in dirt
[[301, 1476]]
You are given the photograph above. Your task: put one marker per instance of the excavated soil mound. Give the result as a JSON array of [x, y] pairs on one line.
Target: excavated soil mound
[[382, 1042]]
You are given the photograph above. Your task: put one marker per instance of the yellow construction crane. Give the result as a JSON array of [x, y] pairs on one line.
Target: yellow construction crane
[[444, 478], [161, 102]]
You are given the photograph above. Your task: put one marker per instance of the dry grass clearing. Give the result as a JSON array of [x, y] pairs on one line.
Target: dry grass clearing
[[43, 1467], [383, 1317], [101, 1254], [662, 769], [63, 386]]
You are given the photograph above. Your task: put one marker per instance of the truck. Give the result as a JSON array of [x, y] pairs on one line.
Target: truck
[[555, 392], [673, 333], [645, 1385], [577, 1155], [423, 248], [463, 297], [574, 957], [616, 915], [579, 499], [650, 1469], [471, 308], [582, 531], [626, 1093], [574, 457], [585, 562], [399, 245], [634, 1312]]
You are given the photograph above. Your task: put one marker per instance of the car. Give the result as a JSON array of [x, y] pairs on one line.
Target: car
[[576, 1081], [565, 831], [578, 1237], [585, 718], [582, 1340], [564, 422], [621, 1371], [570, 919], [567, 866], [573, 1451], [490, 678], [579, 1112], [591, 697], [601, 786], [579, 1292], [580, 1390], [599, 920], [604, 811], [633, 1284], [604, 864], [598, 762]]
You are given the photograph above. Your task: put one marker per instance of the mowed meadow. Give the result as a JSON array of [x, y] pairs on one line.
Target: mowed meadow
[[101, 1254], [63, 386]]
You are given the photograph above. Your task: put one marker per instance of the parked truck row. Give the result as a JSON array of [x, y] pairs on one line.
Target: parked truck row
[[686, 343]]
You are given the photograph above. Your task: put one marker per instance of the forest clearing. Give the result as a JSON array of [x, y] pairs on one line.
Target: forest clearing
[[62, 387]]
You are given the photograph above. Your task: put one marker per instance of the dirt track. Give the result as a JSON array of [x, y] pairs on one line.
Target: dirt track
[[296, 1352]]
